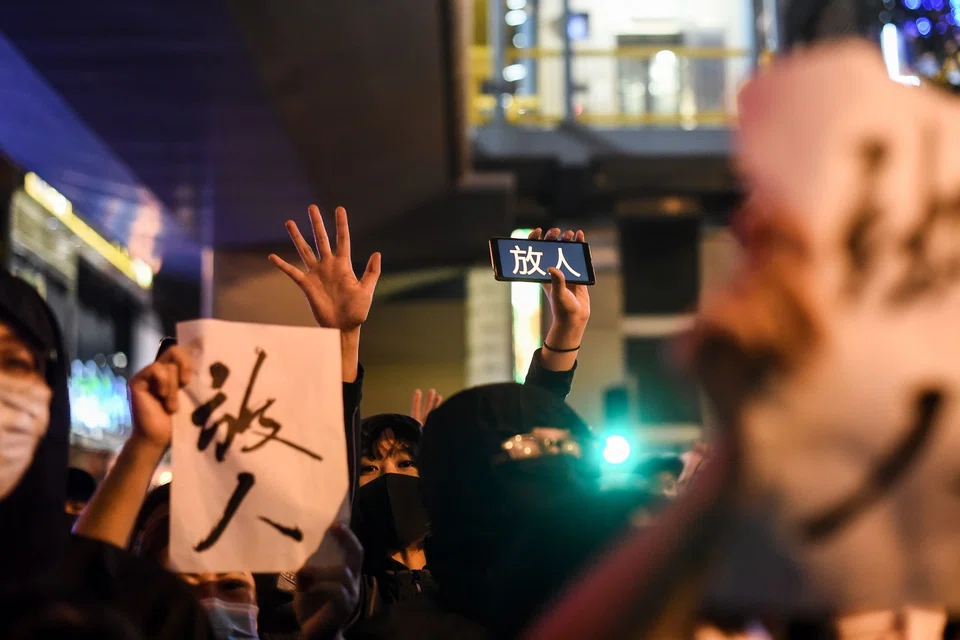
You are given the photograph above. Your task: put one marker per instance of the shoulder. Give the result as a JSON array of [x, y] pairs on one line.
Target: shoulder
[[148, 595]]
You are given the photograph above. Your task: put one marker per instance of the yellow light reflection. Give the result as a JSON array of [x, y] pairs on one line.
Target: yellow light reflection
[[54, 202], [525, 302]]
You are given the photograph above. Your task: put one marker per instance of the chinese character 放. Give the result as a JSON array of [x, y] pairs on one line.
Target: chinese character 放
[[526, 263]]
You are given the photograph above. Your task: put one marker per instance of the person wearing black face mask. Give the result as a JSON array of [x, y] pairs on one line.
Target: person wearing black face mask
[[389, 518]]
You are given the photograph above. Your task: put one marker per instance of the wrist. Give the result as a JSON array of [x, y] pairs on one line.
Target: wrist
[[350, 337], [144, 449], [564, 338], [350, 354]]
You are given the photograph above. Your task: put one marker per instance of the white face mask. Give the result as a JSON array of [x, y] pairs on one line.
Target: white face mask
[[231, 621], [24, 417]]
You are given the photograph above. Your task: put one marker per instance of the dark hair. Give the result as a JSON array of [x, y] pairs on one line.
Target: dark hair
[[151, 534], [404, 428], [80, 485], [370, 448]]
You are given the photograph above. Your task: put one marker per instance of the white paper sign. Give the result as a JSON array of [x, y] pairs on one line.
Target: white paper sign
[[259, 450], [851, 447]]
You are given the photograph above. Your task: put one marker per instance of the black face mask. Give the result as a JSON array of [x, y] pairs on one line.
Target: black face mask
[[389, 515]]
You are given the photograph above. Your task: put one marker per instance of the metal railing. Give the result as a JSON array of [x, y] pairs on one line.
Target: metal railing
[[624, 87]]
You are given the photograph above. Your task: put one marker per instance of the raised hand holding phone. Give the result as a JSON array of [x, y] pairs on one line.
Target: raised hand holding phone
[[569, 306]]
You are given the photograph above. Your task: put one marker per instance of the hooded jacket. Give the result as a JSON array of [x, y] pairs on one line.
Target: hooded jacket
[[32, 532], [44, 572]]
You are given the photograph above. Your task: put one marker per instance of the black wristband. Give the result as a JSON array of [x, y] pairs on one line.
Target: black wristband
[[549, 348]]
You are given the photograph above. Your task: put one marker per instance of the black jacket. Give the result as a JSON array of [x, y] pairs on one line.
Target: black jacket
[[47, 576]]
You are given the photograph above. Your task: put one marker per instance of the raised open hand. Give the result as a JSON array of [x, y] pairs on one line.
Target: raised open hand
[[569, 302], [337, 298]]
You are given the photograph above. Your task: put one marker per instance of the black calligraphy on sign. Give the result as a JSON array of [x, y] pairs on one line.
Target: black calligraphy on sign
[[290, 532], [861, 237], [235, 426], [885, 475], [931, 247], [245, 482], [238, 424]]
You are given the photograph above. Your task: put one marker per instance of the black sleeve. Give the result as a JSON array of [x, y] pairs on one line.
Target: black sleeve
[[556, 382], [158, 603], [352, 395]]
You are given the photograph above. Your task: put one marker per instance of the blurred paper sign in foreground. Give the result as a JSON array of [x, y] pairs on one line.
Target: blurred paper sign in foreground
[[850, 475], [259, 451]]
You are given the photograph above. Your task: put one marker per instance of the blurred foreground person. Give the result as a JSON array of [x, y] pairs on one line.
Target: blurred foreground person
[[228, 599], [831, 363], [52, 585]]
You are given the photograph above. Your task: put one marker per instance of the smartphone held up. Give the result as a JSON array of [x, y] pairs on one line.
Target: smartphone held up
[[520, 260]]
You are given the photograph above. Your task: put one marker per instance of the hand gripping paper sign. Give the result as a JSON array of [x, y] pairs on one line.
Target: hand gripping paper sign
[[259, 451], [834, 360]]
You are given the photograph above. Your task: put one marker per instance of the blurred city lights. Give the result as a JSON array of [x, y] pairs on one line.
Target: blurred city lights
[[515, 18], [617, 450]]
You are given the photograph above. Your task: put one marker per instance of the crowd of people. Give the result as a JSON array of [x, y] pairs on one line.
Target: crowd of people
[[476, 516]]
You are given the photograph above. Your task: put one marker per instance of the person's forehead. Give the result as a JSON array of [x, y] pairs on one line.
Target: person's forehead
[[220, 577], [8, 335]]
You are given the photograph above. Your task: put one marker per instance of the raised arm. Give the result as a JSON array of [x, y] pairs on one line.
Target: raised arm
[[338, 300], [154, 398], [552, 367]]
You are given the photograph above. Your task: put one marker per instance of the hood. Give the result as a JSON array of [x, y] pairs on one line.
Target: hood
[[462, 477], [506, 534], [32, 535]]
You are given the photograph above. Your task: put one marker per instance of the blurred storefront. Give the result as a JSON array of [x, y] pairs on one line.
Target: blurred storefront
[[102, 299]]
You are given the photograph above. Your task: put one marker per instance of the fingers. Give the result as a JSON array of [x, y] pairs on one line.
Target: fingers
[[306, 253], [431, 403], [415, 405], [165, 377], [291, 271], [558, 281], [343, 234], [181, 360], [555, 234], [319, 232], [371, 275]]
